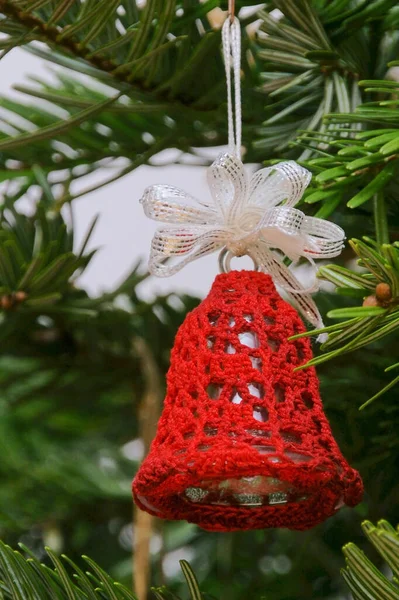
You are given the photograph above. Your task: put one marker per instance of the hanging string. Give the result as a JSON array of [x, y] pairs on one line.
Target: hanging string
[[231, 37], [258, 219]]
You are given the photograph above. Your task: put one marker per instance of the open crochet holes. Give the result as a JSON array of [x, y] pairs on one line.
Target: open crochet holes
[[210, 342], [325, 444], [260, 433], [214, 391], [299, 351], [270, 452], [213, 318], [291, 437], [203, 447], [235, 397], [269, 320], [317, 424], [296, 457], [249, 339], [210, 431], [260, 413], [246, 338], [273, 344], [264, 446], [256, 389], [307, 399], [295, 355], [279, 393], [272, 300], [229, 349], [256, 362], [267, 450]]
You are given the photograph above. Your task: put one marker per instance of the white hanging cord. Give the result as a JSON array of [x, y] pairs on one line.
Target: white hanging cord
[[258, 219], [231, 37]]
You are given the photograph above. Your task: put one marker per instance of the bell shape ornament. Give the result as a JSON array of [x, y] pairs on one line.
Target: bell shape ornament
[[243, 442]]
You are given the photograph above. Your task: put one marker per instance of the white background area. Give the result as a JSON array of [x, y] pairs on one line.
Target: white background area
[[123, 234]]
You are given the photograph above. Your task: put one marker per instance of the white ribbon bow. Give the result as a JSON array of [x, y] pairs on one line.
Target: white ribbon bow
[[255, 217]]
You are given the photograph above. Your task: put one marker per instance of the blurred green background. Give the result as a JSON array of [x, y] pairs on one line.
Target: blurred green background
[[82, 377]]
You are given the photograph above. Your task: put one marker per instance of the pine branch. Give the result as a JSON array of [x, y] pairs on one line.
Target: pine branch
[[359, 166], [363, 579], [28, 579], [312, 58], [69, 39], [25, 578], [36, 260], [379, 314], [52, 35], [154, 64]]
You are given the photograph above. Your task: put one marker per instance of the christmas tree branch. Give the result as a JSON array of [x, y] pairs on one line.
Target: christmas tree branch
[[67, 39], [152, 63], [363, 579], [380, 218], [377, 287], [24, 578], [141, 159], [52, 34]]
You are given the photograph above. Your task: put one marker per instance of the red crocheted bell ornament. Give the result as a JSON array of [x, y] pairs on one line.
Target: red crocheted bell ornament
[[243, 442]]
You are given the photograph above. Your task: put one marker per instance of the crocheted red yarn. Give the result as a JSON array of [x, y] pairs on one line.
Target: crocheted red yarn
[[243, 442]]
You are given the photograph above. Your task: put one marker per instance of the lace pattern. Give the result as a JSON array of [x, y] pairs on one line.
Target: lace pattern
[[243, 442]]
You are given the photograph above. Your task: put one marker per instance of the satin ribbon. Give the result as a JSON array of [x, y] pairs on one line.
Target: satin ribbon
[[255, 217]]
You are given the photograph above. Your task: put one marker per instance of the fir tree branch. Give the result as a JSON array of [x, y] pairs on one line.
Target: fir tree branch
[[362, 577], [72, 45], [380, 218], [51, 34]]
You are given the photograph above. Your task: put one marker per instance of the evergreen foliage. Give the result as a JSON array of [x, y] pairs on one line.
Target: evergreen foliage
[[130, 79], [22, 577]]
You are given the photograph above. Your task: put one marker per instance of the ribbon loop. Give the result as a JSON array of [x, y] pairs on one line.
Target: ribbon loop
[[257, 218], [231, 39]]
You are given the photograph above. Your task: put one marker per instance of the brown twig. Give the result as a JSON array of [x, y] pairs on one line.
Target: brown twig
[[232, 10], [56, 36], [148, 416]]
